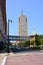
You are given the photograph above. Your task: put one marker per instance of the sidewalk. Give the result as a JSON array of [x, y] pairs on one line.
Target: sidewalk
[[2, 55], [23, 58]]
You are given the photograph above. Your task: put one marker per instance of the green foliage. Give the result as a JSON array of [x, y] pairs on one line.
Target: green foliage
[[27, 43], [37, 40], [24, 44], [20, 44], [41, 42]]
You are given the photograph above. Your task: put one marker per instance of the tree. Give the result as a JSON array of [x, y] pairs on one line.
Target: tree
[[37, 40], [20, 44], [41, 42], [27, 43]]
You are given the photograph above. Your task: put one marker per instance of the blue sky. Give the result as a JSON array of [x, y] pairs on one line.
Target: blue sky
[[33, 9]]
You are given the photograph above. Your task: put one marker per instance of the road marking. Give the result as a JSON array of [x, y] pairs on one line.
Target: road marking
[[4, 60]]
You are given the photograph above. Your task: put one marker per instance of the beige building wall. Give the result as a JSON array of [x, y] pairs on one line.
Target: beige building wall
[[22, 25]]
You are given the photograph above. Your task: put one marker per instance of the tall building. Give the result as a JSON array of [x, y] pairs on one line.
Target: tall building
[[3, 23], [22, 25]]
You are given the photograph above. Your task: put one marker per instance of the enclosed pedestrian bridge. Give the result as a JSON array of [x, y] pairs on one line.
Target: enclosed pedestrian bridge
[[18, 38]]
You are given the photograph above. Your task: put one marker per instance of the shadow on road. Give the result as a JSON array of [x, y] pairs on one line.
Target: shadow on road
[[17, 50]]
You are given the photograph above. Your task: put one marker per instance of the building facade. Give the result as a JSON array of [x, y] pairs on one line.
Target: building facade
[[3, 23], [22, 25]]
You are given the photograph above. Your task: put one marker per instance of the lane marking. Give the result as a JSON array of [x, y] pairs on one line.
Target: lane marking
[[4, 60]]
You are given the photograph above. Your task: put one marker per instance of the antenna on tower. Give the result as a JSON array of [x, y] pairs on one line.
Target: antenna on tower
[[22, 12]]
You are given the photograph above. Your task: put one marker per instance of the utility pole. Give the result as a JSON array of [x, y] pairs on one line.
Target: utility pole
[[8, 36]]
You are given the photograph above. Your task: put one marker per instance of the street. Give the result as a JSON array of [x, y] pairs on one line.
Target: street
[[24, 58]]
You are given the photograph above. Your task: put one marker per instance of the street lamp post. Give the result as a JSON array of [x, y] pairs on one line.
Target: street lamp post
[[8, 35]]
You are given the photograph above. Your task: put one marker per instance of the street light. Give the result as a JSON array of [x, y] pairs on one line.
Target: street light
[[8, 35]]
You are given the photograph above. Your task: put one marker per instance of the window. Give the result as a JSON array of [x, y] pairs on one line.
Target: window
[[26, 19]]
